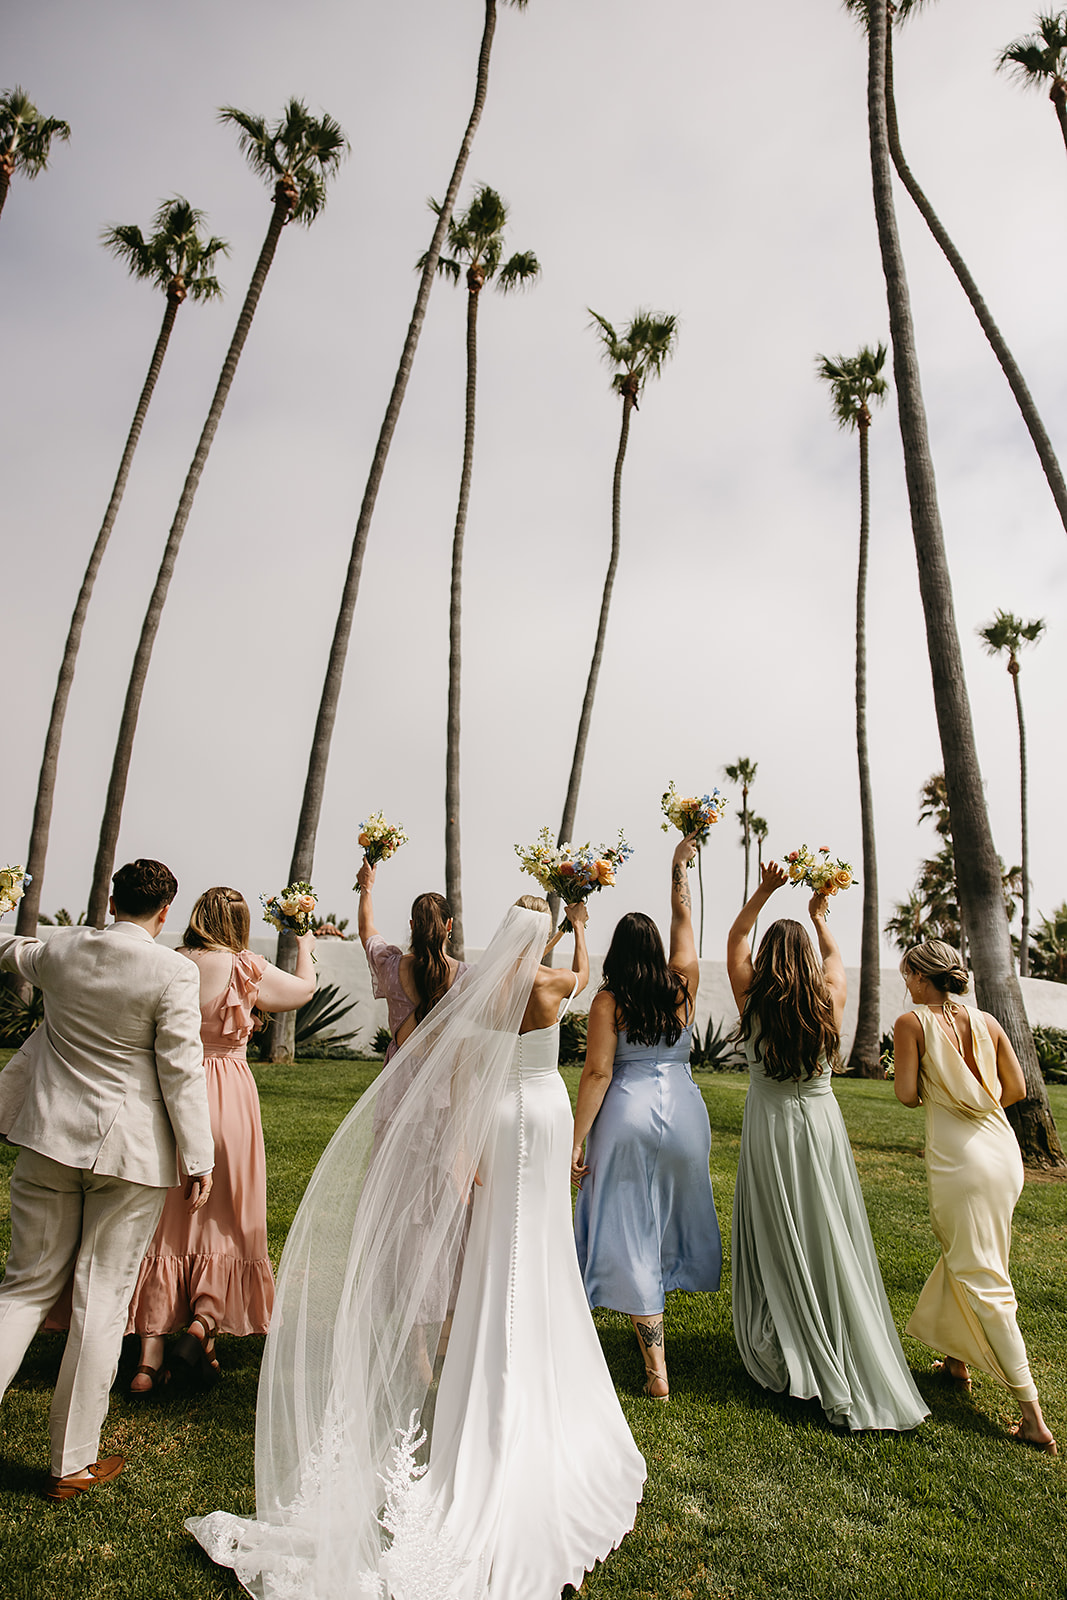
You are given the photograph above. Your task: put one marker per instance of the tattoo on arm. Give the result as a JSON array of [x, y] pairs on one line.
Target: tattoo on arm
[[650, 1333], [681, 885]]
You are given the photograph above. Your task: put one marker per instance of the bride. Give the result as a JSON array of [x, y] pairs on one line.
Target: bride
[[512, 1471]]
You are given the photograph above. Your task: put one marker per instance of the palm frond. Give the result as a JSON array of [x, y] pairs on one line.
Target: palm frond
[[1038, 58], [521, 271], [854, 381], [309, 149], [174, 249], [25, 135]]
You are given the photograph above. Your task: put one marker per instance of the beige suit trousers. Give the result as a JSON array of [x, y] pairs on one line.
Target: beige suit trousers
[[63, 1217]]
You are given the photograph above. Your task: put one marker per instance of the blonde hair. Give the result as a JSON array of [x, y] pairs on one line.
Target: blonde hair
[[220, 920], [940, 963], [532, 902]]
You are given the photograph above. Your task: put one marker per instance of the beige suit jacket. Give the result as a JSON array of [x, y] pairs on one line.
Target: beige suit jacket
[[113, 1078]]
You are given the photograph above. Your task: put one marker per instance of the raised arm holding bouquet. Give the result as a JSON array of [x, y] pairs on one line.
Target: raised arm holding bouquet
[[694, 816]]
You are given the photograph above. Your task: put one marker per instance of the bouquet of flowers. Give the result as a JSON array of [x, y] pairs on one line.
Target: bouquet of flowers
[[292, 910], [380, 839], [572, 873], [818, 872], [13, 881], [692, 813]]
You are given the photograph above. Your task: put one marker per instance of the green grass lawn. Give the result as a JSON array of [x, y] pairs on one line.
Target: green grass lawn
[[749, 1494]]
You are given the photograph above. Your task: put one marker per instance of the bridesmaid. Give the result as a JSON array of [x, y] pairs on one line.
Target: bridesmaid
[[645, 1219], [958, 1064], [210, 1269], [810, 1312], [410, 983]]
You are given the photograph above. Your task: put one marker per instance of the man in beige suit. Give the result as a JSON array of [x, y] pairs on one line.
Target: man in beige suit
[[103, 1099]]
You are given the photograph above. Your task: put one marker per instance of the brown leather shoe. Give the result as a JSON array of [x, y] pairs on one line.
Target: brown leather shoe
[[100, 1472]]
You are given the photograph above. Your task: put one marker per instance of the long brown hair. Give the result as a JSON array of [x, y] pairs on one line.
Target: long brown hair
[[647, 992], [220, 921], [430, 916], [788, 1011]]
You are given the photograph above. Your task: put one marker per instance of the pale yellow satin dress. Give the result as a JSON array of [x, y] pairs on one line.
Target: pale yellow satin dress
[[975, 1176]]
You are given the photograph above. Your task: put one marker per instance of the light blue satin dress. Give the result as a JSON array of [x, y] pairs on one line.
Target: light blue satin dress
[[645, 1218], [810, 1312]]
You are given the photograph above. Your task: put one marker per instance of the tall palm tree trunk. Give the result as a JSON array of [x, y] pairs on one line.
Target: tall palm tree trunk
[[453, 860], [1009, 366], [746, 840], [1024, 937], [1058, 97], [283, 1030], [864, 1059], [30, 904], [285, 196], [570, 805], [7, 170], [981, 891]]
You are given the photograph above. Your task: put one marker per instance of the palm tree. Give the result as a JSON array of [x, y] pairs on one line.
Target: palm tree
[[475, 241], [297, 156], [1039, 61], [25, 138], [1009, 366], [303, 858], [977, 871], [637, 352], [757, 827], [1008, 633], [179, 261], [856, 381], [1050, 946], [743, 771]]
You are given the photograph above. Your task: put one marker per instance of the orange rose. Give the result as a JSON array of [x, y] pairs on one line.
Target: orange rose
[[605, 873], [566, 869], [842, 878], [364, 840]]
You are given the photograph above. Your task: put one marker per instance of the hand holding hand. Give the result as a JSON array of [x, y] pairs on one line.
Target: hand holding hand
[[197, 1191], [365, 877], [772, 876], [578, 1170]]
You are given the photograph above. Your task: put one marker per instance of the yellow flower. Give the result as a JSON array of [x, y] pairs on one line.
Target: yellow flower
[[842, 877]]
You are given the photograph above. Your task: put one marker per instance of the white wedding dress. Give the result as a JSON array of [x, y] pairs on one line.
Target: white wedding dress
[[533, 1472]]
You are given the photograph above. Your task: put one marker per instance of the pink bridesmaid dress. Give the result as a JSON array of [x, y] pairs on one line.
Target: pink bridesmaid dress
[[215, 1262]]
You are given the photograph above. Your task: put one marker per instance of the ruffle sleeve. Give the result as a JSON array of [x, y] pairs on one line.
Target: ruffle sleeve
[[235, 1008], [384, 962]]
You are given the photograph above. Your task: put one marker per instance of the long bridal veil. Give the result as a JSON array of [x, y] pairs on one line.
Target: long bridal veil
[[363, 1299]]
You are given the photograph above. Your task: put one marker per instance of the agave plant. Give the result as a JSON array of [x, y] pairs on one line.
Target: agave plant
[[318, 1016]]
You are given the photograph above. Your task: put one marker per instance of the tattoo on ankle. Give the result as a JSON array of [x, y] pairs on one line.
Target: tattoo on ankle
[[650, 1334]]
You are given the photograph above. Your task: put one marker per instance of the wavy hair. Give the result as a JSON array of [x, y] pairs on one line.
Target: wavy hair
[[220, 920], [430, 916], [647, 993], [788, 1012]]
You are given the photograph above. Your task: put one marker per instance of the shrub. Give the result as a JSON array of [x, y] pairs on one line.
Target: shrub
[[717, 1051], [18, 1017], [573, 1036], [1051, 1047]]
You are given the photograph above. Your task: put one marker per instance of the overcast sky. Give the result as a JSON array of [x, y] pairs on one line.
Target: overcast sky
[[679, 157]]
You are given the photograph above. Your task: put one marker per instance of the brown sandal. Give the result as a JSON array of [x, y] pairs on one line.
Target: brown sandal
[[159, 1376], [657, 1377], [199, 1354]]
